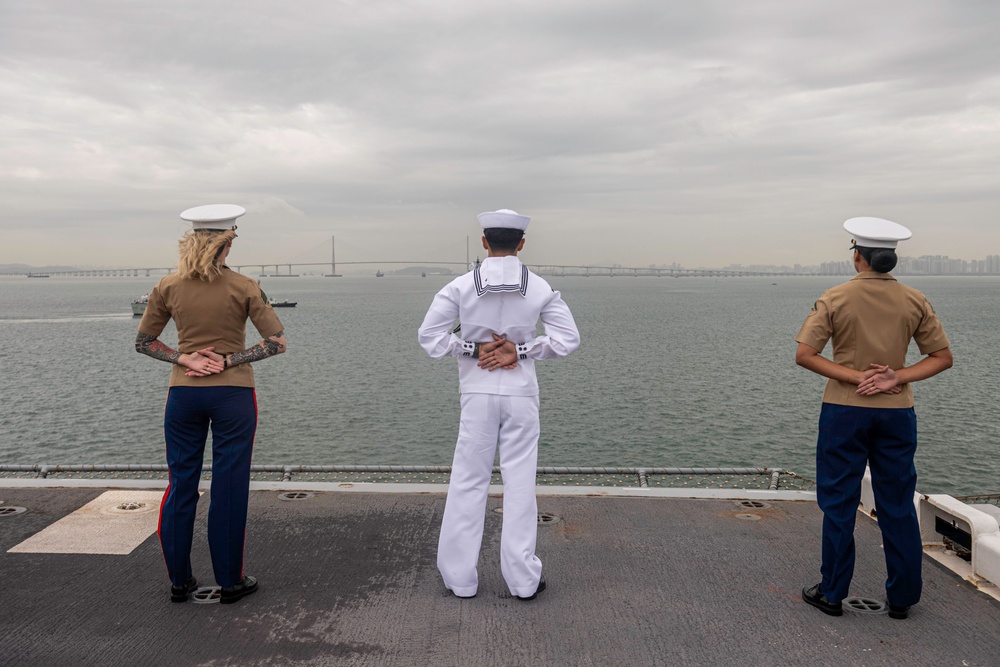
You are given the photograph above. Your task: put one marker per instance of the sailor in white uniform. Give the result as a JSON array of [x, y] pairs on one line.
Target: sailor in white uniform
[[498, 306]]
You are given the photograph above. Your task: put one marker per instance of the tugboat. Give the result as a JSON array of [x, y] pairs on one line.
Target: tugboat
[[139, 305]]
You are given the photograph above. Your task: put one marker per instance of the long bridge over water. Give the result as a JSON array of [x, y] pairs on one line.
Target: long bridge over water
[[293, 269]]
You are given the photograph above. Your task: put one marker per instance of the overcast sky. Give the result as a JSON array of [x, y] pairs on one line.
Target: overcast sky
[[631, 131]]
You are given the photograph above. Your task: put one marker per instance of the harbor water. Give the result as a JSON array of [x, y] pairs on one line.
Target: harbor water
[[671, 372]]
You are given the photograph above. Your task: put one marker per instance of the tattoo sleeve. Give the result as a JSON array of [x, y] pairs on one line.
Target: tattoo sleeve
[[262, 350], [151, 346]]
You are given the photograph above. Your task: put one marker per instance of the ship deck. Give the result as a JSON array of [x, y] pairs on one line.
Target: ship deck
[[349, 578]]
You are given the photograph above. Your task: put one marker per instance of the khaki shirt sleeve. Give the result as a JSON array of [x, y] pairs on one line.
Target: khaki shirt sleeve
[[264, 319], [156, 315], [930, 335], [818, 327]]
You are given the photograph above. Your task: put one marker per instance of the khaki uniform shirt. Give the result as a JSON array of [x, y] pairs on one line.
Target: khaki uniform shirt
[[871, 319], [210, 315]]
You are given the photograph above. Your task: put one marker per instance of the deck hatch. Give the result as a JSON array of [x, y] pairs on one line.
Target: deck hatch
[[295, 495], [861, 605], [207, 595], [753, 504]]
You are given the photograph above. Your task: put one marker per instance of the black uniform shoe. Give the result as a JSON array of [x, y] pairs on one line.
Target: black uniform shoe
[[899, 613], [181, 593], [231, 594], [541, 587], [812, 596]]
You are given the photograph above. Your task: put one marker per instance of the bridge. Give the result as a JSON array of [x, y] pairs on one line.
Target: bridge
[[290, 269], [293, 269]]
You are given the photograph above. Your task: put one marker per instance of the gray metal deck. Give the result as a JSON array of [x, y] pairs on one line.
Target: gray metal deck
[[350, 579]]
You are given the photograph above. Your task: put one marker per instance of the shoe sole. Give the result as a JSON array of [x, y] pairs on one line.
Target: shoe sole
[[235, 597], [541, 587], [184, 597], [826, 610]]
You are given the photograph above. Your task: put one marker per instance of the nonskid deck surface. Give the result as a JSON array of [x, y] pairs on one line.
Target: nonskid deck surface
[[350, 579]]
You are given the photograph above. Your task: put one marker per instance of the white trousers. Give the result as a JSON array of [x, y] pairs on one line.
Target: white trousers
[[489, 420]]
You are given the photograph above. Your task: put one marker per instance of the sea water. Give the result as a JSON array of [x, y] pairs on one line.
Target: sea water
[[671, 372]]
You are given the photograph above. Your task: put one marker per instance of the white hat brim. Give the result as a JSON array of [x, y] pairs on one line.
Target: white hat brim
[[876, 232], [503, 219], [213, 216]]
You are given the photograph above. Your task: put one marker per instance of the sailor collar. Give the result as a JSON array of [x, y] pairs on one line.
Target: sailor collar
[[501, 275]]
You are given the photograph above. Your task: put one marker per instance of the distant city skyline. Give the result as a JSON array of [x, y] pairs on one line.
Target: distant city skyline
[[923, 265]]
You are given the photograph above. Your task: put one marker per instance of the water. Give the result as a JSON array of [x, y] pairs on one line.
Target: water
[[672, 372]]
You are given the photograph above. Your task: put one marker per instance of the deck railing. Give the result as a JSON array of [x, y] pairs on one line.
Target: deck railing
[[643, 477]]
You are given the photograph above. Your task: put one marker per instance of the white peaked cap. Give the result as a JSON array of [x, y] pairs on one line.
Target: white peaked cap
[[213, 216], [876, 232], [504, 218]]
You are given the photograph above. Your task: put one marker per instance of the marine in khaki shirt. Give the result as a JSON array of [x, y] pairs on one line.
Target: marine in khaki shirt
[[210, 315], [211, 389], [892, 313], [867, 420]]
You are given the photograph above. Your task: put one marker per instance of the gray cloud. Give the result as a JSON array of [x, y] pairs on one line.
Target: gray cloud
[[705, 134]]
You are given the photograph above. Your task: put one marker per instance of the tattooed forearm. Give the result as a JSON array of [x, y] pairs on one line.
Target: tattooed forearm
[[151, 346], [262, 350]]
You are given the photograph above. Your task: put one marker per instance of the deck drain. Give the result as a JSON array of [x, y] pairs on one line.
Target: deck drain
[[295, 495], [753, 504], [748, 517], [11, 510], [207, 595], [130, 507], [864, 605], [544, 518]]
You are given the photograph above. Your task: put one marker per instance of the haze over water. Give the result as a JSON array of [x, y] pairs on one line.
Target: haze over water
[[671, 372]]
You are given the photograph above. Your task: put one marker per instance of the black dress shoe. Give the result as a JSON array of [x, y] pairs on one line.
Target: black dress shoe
[[181, 593], [812, 596], [541, 587], [899, 613], [231, 594]]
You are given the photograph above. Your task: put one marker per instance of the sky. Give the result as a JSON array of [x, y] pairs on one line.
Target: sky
[[633, 132]]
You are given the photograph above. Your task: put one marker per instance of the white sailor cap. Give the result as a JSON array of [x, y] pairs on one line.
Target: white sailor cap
[[876, 232], [218, 217], [504, 218]]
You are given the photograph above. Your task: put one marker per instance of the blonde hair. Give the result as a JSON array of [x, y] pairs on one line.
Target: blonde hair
[[199, 254]]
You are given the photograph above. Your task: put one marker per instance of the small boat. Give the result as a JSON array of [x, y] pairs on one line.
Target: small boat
[[379, 274], [423, 274], [281, 304], [139, 305]]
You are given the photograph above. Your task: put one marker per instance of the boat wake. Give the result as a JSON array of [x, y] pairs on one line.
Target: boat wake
[[96, 317]]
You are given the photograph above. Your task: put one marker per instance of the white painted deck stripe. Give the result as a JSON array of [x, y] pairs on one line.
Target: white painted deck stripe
[[99, 527]]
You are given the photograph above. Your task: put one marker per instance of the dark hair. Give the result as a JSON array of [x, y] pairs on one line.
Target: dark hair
[[882, 260], [503, 239]]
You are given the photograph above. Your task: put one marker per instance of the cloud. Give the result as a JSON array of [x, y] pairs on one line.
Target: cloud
[[396, 122]]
